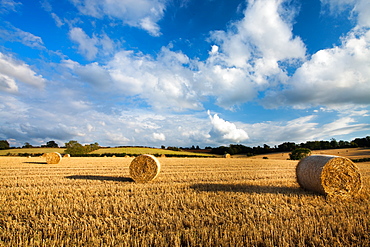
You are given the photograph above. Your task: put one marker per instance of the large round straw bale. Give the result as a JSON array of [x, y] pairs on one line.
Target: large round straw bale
[[144, 168], [53, 158], [227, 156], [329, 175]]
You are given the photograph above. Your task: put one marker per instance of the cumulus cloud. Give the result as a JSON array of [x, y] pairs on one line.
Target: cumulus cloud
[[143, 14], [304, 128], [88, 46], [246, 58], [12, 70], [224, 131], [8, 84], [163, 82], [332, 77], [159, 136]]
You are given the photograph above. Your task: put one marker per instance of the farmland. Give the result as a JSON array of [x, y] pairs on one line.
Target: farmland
[[102, 151], [193, 202]]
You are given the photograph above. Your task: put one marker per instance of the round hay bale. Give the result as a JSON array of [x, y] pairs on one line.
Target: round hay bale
[[227, 156], [67, 156], [329, 175], [163, 156], [53, 158], [144, 168]]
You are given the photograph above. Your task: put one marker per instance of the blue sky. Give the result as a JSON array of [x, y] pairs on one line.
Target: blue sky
[[184, 72]]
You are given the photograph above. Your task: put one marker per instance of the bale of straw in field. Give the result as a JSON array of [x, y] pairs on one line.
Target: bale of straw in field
[[66, 156], [329, 175], [53, 158], [163, 156], [227, 156], [144, 168]]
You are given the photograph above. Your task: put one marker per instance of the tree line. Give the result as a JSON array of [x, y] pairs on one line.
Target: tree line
[[73, 147], [290, 146]]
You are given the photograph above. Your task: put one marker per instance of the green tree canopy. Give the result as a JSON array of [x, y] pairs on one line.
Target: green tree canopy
[[4, 144], [299, 153], [75, 148]]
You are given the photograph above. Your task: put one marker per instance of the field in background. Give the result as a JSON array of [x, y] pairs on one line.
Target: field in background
[[16, 151], [193, 202], [142, 150], [351, 153], [125, 150]]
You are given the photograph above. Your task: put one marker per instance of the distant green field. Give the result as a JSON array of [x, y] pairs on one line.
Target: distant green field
[[142, 150], [17, 151], [125, 150]]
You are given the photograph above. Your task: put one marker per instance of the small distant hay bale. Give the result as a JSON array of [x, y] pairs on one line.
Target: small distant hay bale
[[127, 156], [144, 168], [67, 156], [227, 156], [163, 156], [329, 175], [53, 158]]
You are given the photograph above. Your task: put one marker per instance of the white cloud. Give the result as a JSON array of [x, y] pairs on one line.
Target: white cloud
[[91, 47], [8, 6], [11, 33], [29, 39], [246, 58], [143, 14], [159, 136], [332, 77], [12, 70], [224, 131], [302, 129], [360, 8], [86, 45], [8, 84], [57, 20]]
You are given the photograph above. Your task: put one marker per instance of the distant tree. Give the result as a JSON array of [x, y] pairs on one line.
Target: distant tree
[[91, 147], [27, 145], [163, 147], [286, 146], [299, 153], [197, 148], [51, 144], [333, 143], [362, 142], [73, 148], [4, 144]]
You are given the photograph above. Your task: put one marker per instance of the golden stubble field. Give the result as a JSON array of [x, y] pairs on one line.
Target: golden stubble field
[[193, 202]]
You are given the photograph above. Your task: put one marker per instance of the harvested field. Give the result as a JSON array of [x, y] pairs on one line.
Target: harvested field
[[192, 202]]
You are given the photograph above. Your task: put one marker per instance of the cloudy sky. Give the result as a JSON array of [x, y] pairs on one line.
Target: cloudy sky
[[184, 72]]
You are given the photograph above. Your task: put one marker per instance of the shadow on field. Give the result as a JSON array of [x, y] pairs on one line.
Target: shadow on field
[[247, 188], [101, 178], [35, 162]]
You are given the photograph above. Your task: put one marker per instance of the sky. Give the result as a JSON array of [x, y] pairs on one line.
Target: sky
[[184, 72]]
